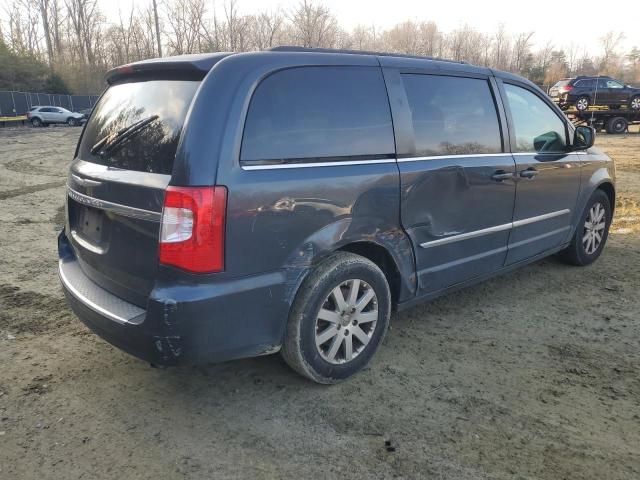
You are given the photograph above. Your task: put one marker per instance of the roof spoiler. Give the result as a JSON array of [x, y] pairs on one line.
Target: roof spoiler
[[189, 66]]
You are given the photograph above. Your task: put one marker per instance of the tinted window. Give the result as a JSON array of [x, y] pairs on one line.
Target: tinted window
[[614, 84], [602, 83], [561, 83], [313, 112], [46, 110], [586, 83], [452, 115], [153, 148], [537, 127]]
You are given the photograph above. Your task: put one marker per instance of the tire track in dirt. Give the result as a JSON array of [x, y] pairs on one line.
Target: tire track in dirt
[[31, 312], [31, 189]]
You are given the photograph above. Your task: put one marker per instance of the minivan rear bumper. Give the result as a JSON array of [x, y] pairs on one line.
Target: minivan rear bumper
[[182, 324]]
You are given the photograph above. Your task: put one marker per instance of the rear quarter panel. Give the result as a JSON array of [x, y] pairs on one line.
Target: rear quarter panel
[[286, 219]]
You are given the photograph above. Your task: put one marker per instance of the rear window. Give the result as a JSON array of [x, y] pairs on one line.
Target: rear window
[[318, 113], [562, 83], [452, 115], [153, 148]]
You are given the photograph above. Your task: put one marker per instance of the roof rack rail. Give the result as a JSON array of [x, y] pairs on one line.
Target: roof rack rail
[[293, 48]]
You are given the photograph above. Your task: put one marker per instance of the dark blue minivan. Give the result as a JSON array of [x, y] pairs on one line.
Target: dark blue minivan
[[222, 206]]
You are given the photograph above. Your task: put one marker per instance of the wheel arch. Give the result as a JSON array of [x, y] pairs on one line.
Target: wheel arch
[[608, 188], [379, 255]]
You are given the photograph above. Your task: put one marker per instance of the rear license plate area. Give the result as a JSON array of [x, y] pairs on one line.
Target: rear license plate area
[[91, 224]]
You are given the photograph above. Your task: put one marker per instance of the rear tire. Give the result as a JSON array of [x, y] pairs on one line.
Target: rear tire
[[634, 103], [586, 246], [72, 122], [36, 122], [617, 125], [582, 103], [332, 333]]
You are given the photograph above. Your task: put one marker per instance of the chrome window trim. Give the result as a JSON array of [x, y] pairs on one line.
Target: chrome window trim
[[464, 155], [494, 229], [113, 207], [317, 164], [388, 160], [518, 154]]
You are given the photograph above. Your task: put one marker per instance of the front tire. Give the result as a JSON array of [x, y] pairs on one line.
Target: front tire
[[338, 319], [72, 122], [591, 233]]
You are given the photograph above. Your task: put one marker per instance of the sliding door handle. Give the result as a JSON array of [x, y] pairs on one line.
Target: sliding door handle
[[501, 175], [529, 173]]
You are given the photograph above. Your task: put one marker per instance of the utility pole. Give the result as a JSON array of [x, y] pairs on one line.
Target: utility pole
[[155, 14]]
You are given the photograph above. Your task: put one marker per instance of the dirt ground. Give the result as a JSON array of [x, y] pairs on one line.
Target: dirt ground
[[532, 375]]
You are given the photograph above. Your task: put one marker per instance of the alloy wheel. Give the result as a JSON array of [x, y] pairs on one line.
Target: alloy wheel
[[346, 321], [635, 103], [594, 228], [582, 104]]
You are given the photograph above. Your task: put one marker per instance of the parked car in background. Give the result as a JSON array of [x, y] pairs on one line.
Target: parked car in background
[[85, 112], [41, 116], [325, 189], [583, 92]]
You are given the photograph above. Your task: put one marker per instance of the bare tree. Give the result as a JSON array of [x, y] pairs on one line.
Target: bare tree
[[186, 26], [313, 25], [75, 41], [85, 20], [266, 28], [521, 51]]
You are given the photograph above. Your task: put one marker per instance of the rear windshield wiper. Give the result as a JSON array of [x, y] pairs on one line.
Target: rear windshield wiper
[[108, 143]]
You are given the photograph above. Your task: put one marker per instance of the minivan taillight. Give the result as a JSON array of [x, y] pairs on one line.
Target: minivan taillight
[[192, 230]]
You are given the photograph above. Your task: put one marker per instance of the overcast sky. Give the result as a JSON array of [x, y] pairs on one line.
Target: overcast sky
[[555, 20]]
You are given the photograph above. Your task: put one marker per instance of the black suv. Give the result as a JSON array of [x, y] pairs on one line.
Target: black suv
[[582, 92], [230, 205]]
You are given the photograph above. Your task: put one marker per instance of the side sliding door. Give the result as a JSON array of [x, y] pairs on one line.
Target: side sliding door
[[457, 177]]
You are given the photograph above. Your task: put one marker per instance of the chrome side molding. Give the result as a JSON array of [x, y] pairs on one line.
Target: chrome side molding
[[495, 229]]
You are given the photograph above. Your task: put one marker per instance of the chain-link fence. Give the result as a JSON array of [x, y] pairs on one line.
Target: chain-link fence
[[15, 104]]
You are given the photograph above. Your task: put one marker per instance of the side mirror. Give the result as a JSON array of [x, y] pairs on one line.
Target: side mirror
[[584, 138]]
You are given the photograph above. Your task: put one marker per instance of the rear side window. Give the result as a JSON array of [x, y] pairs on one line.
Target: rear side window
[[329, 113], [561, 83], [585, 83], [452, 115], [537, 127], [153, 148]]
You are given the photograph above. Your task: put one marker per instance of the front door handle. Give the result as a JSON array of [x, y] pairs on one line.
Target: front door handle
[[529, 173], [501, 175]]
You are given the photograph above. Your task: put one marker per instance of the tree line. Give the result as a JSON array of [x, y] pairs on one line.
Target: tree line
[[66, 46]]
